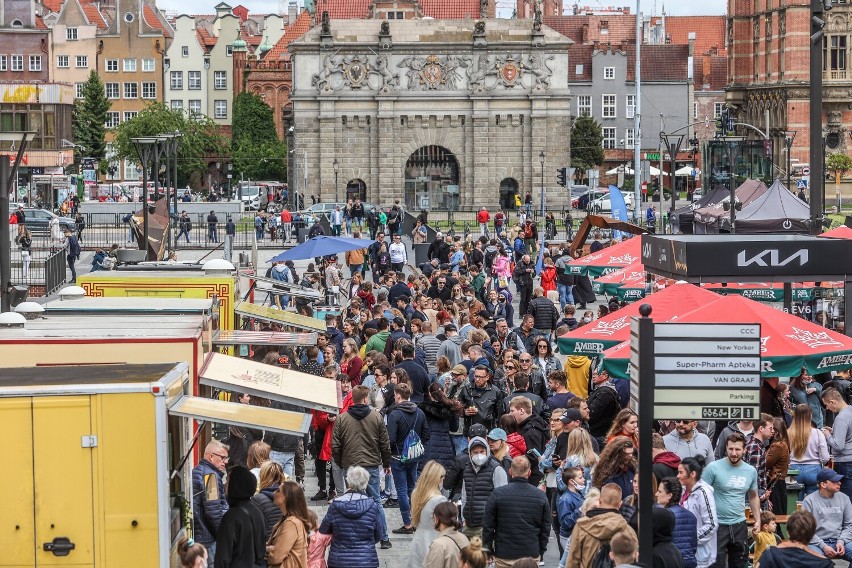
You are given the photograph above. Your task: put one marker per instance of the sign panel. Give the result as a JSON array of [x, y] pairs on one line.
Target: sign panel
[[706, 412]]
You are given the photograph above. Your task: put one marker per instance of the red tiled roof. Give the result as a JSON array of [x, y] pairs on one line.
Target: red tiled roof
[[659, 62], [450, 9], [711, 70], [343, 9], [294, 31], [52, 5], [241, 12], [39, 23], [154, 21], [580, 55], [709, 32], [205, 38], [94, 15]]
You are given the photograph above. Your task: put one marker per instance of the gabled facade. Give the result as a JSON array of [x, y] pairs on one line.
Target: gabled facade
[[74, 42], [24, 43]]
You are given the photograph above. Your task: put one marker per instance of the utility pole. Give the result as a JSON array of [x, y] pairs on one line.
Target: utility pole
[[637, 124], [817, 179]]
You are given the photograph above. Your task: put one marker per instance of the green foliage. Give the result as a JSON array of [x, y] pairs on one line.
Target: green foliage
[[88, 120], [256, 150], [586, 143], [838, 164], [200, 137]]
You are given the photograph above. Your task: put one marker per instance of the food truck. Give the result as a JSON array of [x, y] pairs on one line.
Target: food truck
[[96, 461]]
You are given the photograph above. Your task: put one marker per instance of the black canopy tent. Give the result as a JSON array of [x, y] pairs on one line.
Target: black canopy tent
[[683, 218], [752, 258], [775, 211], [714, 219]]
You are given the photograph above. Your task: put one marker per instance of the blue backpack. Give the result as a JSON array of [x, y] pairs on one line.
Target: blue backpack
[[412, 447]]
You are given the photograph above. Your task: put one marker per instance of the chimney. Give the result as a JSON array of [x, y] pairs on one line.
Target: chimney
[[706, 70], [292, 13], [585, 34]]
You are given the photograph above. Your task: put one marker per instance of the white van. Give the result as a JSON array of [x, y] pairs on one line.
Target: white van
[[252, 197]]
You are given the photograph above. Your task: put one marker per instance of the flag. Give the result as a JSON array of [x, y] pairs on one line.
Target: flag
[[539, 264], [618, 208]]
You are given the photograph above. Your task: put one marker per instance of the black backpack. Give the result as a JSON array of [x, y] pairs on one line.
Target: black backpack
[[602, 559]]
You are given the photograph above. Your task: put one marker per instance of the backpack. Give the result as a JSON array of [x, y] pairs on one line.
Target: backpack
[[489, 259], [412, 447], [74, 247], [528, 231], [602, 559], [393, 216], [520, 247]]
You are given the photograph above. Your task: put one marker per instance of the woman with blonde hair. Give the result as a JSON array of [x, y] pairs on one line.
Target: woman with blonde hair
[[472, 556], [271, 477], [579, 453], [808, 449], [426, 496], [351, 364], [258, 453]]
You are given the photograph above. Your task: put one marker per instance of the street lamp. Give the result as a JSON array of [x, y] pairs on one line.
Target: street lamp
[[673, 143], [336, 167], [541, 159], [789, 137], [732, 205], [8, 172], [147, 147]]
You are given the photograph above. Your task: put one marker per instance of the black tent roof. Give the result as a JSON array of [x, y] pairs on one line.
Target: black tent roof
[[775, 211], [683, 217]]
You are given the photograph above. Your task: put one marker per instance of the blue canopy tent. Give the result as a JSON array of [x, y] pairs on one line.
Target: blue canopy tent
[[322, 245]]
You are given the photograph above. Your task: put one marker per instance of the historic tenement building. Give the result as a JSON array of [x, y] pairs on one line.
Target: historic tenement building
[[436, 113], [769, 57]]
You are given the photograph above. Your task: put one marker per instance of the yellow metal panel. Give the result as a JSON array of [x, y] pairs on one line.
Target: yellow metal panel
[[16, 528], [127, 463], [63, 478], [213, 410], [280, 316]]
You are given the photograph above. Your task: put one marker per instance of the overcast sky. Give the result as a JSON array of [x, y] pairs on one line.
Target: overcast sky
[[673, 7]]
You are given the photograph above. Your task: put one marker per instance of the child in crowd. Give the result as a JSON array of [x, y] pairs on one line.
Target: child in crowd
[[766, 537], [318, 543]]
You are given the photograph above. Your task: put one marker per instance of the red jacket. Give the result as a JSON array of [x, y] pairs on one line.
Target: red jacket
[[548, 278], [517, 445], [285, 216], [325, 452], [483, 216]]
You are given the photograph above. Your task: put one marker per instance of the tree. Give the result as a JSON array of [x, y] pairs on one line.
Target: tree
[[200, 137], [586, 144], [839, 164], [88, 120], [256, 150]]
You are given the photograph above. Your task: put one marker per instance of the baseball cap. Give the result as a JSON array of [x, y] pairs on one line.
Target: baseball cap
[[477, 431], [450, 327], [497, 434], [826, 474], [571, 415], [459, 370]]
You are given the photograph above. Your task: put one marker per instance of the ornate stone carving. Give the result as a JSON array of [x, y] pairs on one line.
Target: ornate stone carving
[[835, 119], [756, 32], [768, 26], [782, 23], [356, 70], [540, 70], [322, 80], [479, 28], [385, 28], [510, 70], [435, 72], [476, 75], [537, 17], [326, 24], [483, 8], [388, 80]]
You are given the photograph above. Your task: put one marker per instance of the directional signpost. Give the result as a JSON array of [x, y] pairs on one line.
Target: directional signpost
[[688, 371]]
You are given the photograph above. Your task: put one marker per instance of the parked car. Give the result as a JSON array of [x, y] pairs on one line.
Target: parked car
[[328, 207], [602, 204], [582, 201], [697, 194], [37, 220]]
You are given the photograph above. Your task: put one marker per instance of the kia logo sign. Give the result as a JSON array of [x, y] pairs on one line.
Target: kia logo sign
[[771, 258]]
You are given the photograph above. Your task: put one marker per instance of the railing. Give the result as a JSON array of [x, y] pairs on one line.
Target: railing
[[836, 75], [54, 272], [46, 266]]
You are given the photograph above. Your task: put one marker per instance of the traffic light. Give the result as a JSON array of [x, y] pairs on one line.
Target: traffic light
[[818, 20], [721, 122], [562, 176]]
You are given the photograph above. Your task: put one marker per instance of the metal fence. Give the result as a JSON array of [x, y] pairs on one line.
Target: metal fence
[[45, 268]]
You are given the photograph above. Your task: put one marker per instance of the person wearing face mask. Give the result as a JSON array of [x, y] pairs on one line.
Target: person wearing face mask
[[568, 506], [587, 318], [481, 476]]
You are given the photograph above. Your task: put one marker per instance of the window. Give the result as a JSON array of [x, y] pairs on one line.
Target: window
[[193, 80], [131, 90], [112, 120], [220, 109], [631, 106], [17, 63], [62, 61], [82, 61], [220, 79], [629, 138], [71, 33], [112, 65], [184, 51], [608, 103], [177, 105], [129, 115], [229, 50], [4, 63], [584, 105], [78, 90], [195, 106], [130, 65], [149, 90], [131, 171], [717, 109], [834, 56], [149, 65], [608, 137], [35, 62], [177, 80], [112, 90], [609, 73]]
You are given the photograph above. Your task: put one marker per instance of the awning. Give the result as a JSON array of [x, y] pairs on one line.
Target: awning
[[268, 381], [296, 423], [243, 337], [282, 317], [286, 287]]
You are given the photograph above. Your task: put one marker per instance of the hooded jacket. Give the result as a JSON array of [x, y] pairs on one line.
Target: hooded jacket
[[603, 407], [451, 349], [536, 433], [665, 554], [378, 341], [517, 445], [597, 527], [665, 465], [440, 420], [208, 501], [404, 418], [578, 369], [479, 482], [241, 540], [359, 437], [732, 427], [701, 502], [354, 521]]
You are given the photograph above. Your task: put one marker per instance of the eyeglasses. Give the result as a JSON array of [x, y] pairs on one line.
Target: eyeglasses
[[526, 360], [221, 457], [682, 421], [480, 377], [540, 345], [380, 375]]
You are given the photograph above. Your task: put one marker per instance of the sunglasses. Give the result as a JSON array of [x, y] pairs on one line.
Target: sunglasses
[[526, 360]]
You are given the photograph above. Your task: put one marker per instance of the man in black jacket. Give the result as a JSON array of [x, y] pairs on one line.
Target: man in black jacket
[[603, 406], [523, 277], [517, 518], [534, 429], [544, 313], [403, 419], [440, 289], [482, 400], [417, 374], [241, 539]]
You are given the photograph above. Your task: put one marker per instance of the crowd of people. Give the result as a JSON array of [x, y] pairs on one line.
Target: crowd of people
[[490, 443]]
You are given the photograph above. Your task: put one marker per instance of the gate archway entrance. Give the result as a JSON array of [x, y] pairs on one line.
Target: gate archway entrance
[[432, 179], [508, 191], [356, 189]]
